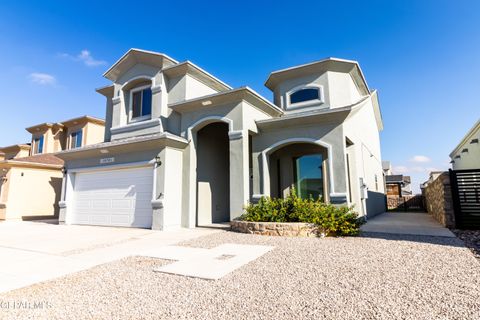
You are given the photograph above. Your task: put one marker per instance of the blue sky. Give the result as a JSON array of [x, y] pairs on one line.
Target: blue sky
[[422, 56]]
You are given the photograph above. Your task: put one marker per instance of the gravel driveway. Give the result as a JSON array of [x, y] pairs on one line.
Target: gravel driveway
[[377, 276]]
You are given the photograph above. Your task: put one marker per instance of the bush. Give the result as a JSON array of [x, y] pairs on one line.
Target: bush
[[330, 219]]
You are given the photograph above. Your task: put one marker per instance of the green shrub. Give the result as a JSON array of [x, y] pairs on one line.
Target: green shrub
[[330, 219]]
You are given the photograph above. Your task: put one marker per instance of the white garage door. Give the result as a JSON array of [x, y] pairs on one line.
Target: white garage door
[[114, 198]]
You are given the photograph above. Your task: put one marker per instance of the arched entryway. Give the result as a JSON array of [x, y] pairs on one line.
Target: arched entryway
[[213, 174], [302, 166]]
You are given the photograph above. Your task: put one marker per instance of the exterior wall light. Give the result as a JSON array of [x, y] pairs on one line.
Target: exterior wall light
[[104, 151], [158, 161], [206, 102]]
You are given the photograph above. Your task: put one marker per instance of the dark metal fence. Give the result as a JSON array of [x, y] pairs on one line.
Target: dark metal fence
[[465, 186]]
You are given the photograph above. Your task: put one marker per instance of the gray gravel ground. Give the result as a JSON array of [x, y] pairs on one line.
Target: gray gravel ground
[[376, 276], [471, 239]]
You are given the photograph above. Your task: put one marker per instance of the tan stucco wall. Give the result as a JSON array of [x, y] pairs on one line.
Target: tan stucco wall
[[94, 133], [35, 193]]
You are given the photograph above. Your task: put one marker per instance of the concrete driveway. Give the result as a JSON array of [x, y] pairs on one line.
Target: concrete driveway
[[32, 252], [410, 223]]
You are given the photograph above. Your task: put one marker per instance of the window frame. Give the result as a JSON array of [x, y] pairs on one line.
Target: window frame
[[74, 135], [38, 141], [132, 119], [308, 103]]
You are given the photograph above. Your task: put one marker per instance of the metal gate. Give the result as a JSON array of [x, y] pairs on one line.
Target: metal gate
[[465, 186]]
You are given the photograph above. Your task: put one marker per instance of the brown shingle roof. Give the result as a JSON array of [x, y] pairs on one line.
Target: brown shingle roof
[[41, 158]]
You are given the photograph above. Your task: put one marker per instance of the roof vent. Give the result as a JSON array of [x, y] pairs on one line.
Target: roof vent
[[464, 150], [474, 141], [457, 157]]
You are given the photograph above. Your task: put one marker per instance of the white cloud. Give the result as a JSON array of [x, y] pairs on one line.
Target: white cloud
[[420, 159], [400, 169], [88, 59], [84, 56], [44, 79]]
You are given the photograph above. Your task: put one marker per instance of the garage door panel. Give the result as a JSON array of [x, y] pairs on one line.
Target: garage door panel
[[114, 198]]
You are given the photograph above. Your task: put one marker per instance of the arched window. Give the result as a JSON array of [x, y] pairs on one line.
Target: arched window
[[138, 95], [303, 95]]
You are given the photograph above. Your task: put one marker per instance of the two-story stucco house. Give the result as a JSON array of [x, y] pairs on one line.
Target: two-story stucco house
[[31, 176], [182, 148]]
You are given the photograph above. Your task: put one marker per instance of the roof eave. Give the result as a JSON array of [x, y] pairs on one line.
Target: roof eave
[[231, 95], [108, 73], [465, 138]]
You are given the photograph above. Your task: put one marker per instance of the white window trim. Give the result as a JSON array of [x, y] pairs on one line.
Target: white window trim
[[71, 138], [36, 143], [292, 106], [130, 110]]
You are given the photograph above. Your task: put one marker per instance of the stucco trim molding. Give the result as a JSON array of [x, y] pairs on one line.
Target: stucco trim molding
[[235, 135], [116, 100], [279, 144], [156, 89], [137, 126], [157, 204]]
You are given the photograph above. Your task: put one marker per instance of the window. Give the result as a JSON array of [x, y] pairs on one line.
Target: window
[[38, 145], [76, 139], [305, 95], [309, 176], [141, 103]]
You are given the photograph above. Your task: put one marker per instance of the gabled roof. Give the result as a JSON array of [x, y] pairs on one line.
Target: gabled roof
[[134, 56], [188, 67], [469, 136], [242, 93], [323, 115], [46, 161], [321, 66], [91, 119], [15, 147], [66, 123], [41, 158]]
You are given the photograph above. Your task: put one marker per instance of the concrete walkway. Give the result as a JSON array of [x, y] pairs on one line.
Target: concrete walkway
[[32, 252], [421, 224]]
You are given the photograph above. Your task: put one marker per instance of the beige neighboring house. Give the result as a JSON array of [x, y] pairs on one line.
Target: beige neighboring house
[[31, 171], [184, 149], [466, 154]]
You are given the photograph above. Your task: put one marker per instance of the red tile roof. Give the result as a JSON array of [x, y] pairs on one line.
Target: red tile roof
[[41, 158]]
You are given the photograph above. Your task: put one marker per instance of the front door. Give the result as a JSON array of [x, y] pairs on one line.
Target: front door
[[309, 176]]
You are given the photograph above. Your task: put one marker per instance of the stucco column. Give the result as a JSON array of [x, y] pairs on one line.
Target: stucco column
[[66, 197], [167, 195], [239, 172]]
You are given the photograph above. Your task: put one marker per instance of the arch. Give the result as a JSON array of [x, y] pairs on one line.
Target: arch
[[283, 143], [206, 121], [135, 79]]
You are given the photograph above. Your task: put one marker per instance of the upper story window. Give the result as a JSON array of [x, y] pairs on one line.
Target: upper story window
[[76, 139], [38, 145], [305, 96], [140, 103]]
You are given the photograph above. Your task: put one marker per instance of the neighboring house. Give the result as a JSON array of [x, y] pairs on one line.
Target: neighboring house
[[467, 153], [15, 151], [398, 185], [182, 148], [31, 176], [387, 168], [432, 177]]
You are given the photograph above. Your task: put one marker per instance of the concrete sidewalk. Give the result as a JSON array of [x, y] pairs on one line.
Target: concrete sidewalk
[[32, 252], [421, 224]]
